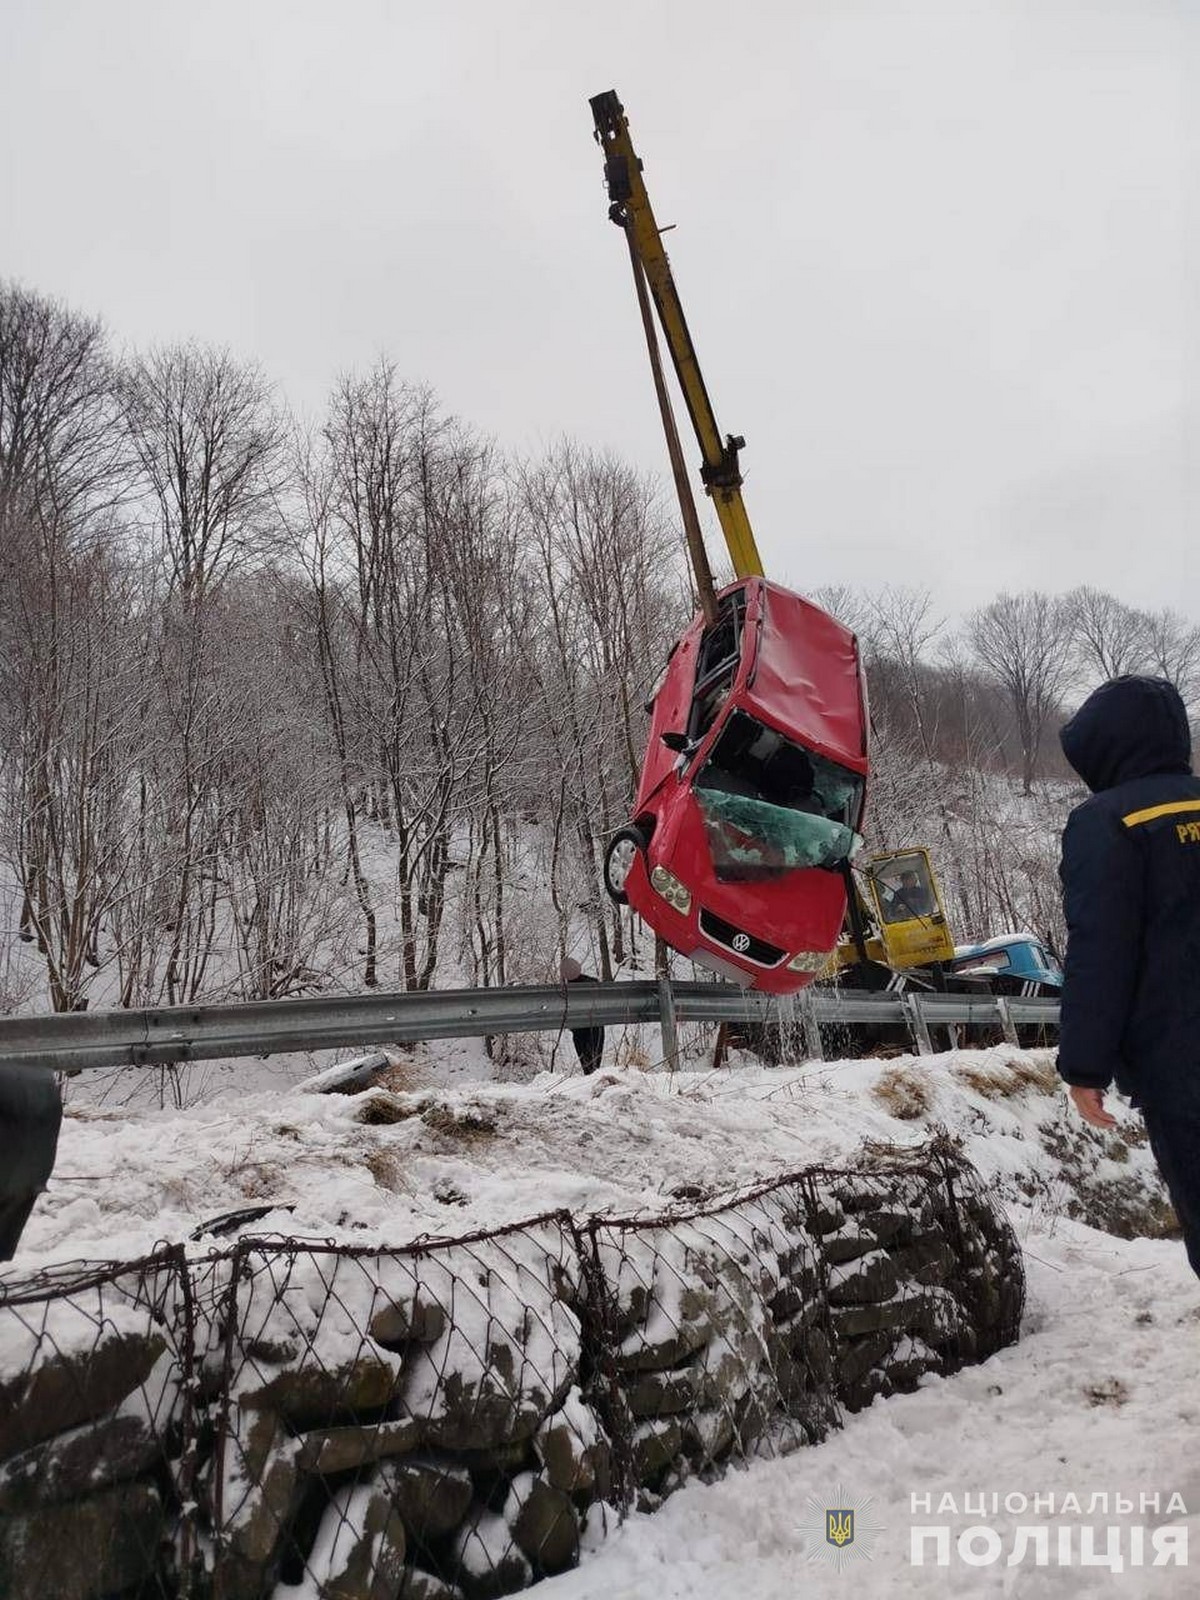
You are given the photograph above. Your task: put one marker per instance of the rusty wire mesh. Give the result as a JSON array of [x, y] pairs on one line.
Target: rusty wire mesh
[[96, 1428], [410, 1422], [716, 1337], [452, 1419], [742, 1329]]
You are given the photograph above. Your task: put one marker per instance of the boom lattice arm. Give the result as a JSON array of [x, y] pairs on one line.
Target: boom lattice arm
[[630, 208]]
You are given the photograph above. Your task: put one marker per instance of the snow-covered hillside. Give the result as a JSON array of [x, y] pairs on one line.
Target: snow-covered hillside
[[1099, 1395], [430, 1155]]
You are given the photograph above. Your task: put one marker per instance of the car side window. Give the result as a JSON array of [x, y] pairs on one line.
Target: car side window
[[984, 961], [717, 663], [709, 698]]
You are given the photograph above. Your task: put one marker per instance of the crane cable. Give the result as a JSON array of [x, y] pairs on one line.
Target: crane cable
[[698, 555]]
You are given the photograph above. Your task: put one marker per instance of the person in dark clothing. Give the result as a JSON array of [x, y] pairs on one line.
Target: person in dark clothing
[[1131, 890], [588, 1042], [913, 895], [30, 1116]]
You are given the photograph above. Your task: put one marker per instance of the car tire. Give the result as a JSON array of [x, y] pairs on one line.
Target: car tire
[[618, 860]]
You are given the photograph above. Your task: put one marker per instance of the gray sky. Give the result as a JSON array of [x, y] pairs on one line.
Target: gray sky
[[939, 259]]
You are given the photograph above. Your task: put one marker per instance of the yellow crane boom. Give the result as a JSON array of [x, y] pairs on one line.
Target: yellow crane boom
[[630, 208]]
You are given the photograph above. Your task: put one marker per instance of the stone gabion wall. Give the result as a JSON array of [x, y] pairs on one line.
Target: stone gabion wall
[[95, 1370], [449, 1419]]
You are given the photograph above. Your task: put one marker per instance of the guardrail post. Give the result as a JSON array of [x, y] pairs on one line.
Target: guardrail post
[[813, 1048], [918, 1024], [1008, 1026], [670, 1033], [720, 1046]]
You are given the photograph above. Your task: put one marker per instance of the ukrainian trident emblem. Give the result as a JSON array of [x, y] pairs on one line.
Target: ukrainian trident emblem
[[839, 1526], [849, 1528]]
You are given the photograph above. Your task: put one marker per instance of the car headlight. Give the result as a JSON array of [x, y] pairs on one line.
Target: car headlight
[[668, 886], [808, 961]]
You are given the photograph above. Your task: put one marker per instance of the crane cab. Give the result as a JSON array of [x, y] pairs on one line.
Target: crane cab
[[906, 899]]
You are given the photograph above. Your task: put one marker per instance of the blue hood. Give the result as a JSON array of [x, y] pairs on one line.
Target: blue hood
[[1128, 728]]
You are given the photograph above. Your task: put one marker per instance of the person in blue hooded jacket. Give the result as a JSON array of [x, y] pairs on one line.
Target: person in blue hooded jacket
[[1131, 891]]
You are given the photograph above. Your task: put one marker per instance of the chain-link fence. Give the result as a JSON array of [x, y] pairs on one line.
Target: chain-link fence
[[404, 1422], [451, 1418], [743, 1329], [97, 1430]]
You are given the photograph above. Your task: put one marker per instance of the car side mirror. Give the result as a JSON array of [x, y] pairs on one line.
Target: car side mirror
[[679, 742]]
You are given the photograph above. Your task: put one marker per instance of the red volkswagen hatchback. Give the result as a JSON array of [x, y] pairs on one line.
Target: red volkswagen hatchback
[[752, 791]]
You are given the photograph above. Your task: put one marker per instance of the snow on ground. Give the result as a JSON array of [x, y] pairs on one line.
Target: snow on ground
[[1100, 1394], [446, 1158]]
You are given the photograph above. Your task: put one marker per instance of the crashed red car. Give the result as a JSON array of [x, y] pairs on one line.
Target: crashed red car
[[752, 791]]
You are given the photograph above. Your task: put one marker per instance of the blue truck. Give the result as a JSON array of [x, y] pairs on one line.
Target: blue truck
[[1010, 963]]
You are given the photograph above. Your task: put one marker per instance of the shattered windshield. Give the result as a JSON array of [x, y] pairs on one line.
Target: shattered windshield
[[770, 807]]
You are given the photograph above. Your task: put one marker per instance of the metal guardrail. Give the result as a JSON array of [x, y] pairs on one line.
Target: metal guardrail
[[80, 1040]]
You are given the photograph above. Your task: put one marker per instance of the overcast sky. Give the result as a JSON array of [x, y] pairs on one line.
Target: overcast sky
[[939, 259]]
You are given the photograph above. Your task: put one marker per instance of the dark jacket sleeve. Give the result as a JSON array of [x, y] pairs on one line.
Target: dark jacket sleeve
[[1103, 896], [30, 1115]]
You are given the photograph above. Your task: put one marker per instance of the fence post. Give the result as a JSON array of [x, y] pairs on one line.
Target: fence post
[[918, 1025], [1007, 1025], [811, 1028], [670, 1033]]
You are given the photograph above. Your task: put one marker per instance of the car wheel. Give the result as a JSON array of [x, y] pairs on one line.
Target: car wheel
[[623, 847]]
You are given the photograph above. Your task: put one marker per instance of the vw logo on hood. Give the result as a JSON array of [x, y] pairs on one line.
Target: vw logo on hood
[[741, 943]]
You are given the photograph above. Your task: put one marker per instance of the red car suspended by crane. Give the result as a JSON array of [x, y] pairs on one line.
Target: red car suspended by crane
[[752, 789]]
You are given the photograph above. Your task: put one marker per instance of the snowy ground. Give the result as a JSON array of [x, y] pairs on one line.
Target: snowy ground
[[445, 1155], [1099, 1395]]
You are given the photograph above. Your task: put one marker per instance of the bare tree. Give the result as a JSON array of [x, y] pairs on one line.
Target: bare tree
[[287, 912], [207, 442], [395, 476], [481, 580], [60, 452], [1023, 641], [329, 622], [1112, 638], [70, 670], [610, 602], [1174, 651]]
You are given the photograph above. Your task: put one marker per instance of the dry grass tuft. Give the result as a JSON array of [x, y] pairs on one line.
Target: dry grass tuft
[[992, 1082], [1039, 1075], [906, 1093], [630, 1053], [379, 1108], [402, 1077], [1006, 1080], [260, 1180], [470, 1126], [384, 1166]]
